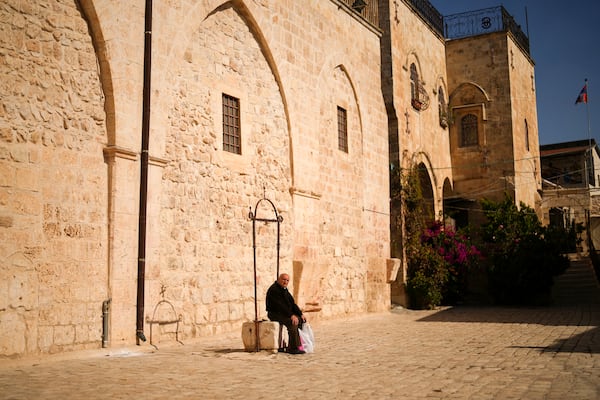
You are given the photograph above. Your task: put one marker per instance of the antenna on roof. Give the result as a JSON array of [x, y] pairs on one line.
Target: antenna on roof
[[526, 22]]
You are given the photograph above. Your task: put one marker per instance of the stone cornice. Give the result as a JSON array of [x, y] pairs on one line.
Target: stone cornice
[[112, 152], [305, 193]]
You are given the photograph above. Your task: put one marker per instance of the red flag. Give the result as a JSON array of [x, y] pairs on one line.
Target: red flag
[[582, 98]]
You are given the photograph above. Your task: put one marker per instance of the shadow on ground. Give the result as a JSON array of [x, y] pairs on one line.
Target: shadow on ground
[[581, 343], [580, 315]]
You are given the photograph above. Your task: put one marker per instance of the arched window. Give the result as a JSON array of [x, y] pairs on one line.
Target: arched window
[[414, 82], [469, 131], [414, 85], [442, 108]]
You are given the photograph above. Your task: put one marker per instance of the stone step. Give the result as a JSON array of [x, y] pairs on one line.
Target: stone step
[[577, 285]]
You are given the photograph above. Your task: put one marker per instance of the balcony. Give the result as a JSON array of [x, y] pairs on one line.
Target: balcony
[[368, 9]]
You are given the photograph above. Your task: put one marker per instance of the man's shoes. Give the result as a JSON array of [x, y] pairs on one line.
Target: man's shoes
[[296, 351]]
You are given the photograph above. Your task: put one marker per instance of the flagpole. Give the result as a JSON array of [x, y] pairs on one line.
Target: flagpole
[[591, 153], [587, 111]]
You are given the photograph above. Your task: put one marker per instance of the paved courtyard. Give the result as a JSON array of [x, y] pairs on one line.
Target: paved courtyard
[[451, 353]]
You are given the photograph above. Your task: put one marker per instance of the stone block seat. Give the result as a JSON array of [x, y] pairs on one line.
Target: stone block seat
[[271, 335]]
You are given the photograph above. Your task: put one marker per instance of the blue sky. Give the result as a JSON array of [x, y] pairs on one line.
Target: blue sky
[[564, 40]]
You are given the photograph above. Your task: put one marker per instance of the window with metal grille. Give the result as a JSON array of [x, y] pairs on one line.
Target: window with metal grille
[[415, 90], [526, 136], [342, 129], [232, 137], [442, 108], [469, 135], [414, 82]]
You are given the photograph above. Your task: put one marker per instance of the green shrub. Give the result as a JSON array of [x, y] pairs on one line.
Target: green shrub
[[524, 256], [427, 276], [460, 259], [438, 267], [438, 258]]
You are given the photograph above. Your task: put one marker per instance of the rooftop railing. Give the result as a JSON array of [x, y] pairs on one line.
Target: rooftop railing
[[429, 14], [495, 19], [455, 26]]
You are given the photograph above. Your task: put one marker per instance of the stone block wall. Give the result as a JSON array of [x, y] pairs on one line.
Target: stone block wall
[[526, 153], [70, 140], [491, 77], [53, 185], [69, 155], [421, 138]]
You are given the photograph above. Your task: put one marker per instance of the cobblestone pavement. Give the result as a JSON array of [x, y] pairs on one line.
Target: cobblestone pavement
[[451, 353]]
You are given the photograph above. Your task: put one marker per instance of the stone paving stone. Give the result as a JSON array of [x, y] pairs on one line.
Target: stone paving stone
[[450, 353]]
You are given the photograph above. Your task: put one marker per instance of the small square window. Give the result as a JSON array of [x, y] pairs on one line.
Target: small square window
[[342, 129], [232, 137]]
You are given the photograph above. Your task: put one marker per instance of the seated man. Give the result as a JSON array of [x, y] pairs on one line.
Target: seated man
[[282, 308]]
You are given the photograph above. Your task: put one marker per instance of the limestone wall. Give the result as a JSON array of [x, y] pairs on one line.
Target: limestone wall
[[53, 181], [421, 137], [489, 76], [69, 154], [70, 140], [528, 171]]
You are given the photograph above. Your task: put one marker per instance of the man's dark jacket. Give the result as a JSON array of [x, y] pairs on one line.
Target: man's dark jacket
[[280, 303]]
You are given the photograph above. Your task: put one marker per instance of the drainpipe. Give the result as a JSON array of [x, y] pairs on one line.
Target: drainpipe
[[141, 277], [105, 316]]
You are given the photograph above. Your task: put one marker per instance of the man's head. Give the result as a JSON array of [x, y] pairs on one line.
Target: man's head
[[283, 280]]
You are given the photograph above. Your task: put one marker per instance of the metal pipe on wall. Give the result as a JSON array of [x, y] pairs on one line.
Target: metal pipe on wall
[[105, 316], [141, 276]]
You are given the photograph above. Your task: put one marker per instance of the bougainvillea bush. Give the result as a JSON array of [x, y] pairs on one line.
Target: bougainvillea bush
[[460, 258], [525, 256], [438, 258], [438, 266]]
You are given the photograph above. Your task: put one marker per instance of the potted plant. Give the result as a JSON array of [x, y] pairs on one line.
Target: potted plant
[[416, 103]]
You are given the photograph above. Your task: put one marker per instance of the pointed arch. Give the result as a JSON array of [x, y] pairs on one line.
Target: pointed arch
[[440, 82], [352, 84], [473, 91], [177, 46], [419, 98], [88, 10], [448, 188], [427, 189], [330, 64], [423, 158], [439, 181], [413, 58]]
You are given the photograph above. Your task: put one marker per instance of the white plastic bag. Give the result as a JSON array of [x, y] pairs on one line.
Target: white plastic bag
[[307, 338]]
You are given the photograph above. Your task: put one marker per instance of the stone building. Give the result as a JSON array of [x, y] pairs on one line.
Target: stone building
[[415, 91], [137, 140], [276, 76], [571, 173], [460, 95], [494, 133]]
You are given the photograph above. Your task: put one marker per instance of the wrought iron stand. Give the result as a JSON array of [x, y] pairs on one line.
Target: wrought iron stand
[[254, 217]]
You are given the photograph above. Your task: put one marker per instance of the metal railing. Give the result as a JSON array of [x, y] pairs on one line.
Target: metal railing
[[429, 14], [494, 19], [456, 26], [370, 12]]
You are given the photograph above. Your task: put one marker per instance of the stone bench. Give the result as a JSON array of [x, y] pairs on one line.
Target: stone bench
[[268, 335]]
